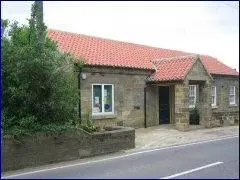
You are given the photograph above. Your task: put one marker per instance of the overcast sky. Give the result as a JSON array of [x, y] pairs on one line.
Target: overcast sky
[[210, 28]]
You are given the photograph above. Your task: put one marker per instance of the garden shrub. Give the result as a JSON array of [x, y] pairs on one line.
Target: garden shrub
[[194, 116], [40, 90]]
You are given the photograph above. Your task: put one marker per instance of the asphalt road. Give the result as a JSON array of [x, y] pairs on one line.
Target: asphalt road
[[214, 159]]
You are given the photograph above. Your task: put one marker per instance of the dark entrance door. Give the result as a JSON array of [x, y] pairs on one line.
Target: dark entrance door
[[164, 105]]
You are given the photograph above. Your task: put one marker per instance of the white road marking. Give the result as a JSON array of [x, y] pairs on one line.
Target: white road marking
[[117, 157], [192, 170]]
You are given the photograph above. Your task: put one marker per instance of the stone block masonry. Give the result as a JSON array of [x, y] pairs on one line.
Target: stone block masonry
[[181, 107], [128, 94], [129, 85], [224, 113], [42, 149]]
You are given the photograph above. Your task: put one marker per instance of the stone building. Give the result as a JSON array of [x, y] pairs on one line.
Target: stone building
[[140, 86]]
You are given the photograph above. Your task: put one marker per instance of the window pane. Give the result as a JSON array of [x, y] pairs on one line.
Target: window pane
[[213, 95], [192, 91], [213, 91], [213, 100], [232, 90], [191, 101], [107, 98], [192, 95], [232, 99], [97, 98]]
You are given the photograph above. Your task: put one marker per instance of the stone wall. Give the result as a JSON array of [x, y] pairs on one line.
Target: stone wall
[[225, 113], [41, 149], [225, 118], [205, 111], [223, 83], [128, 95], [112, 141], [198, 73], [152, 106], [181, 107]]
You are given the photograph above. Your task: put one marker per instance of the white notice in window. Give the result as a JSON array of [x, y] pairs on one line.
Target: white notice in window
[[96, 100], [105, 93]]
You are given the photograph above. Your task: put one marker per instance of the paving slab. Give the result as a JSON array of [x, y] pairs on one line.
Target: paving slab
[[167, 135]]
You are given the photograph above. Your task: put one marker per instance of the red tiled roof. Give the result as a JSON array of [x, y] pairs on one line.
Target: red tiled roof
[[104, 52], [216, 67], [171, 69]]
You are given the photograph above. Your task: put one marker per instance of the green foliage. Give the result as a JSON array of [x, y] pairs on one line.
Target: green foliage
[[194, 116], [87, 125], [5, 23], [89, 128], [79, 64], [40, 90]]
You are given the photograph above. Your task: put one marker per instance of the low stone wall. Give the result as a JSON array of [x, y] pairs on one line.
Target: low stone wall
[[40, 149]]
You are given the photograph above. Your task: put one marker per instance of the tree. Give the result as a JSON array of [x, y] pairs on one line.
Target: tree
[[39, 83]]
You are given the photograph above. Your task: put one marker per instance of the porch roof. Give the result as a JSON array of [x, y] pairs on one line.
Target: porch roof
[[172, 69]]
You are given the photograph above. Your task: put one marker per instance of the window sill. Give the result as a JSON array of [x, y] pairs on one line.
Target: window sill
[[103, 116], [191, 107], [233, 105]]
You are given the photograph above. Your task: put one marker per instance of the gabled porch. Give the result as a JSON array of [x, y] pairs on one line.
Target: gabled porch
[[168, 101]]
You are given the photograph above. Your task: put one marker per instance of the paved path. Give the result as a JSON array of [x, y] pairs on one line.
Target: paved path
[[166, 135], [213, 159]]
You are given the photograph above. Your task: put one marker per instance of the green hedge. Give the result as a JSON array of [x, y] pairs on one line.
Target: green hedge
[[40, 90]]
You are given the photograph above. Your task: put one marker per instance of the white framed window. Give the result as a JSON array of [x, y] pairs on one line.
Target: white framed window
[[232, 95], [214, 95], [192, 95], [102, 99]]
